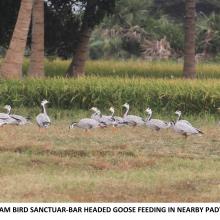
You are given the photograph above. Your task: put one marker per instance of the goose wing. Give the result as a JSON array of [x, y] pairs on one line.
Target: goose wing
[[21, 120], [189, 125], [11, 121], [4, 116], [134, 120], [43, 120], [106, 119], [119, 121], [95, 116], [88, 123], [157, 124], [185, 128], [185, 121], [2, 122]]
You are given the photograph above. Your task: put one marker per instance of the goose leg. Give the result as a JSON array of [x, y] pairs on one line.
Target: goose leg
[[185, 135], [114, 129]]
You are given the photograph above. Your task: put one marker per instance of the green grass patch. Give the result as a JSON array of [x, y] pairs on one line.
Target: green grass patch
[[197, 96], [131, 68]]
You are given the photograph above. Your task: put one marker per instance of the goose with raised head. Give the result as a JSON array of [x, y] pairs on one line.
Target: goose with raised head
[[106, 119], [4, 116], [10, 120], [155, 124], [87, 124], [132, 119], [184, 127], [95, 114], [179, 113], [43, 119], [119, 121], [15, 119]]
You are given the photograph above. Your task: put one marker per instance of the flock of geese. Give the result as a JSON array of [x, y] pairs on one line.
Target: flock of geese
[[97, 120]]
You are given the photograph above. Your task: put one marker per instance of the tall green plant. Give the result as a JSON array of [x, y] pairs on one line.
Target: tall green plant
[[160, 95]]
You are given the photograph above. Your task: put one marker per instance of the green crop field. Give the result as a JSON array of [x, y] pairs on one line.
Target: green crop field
[[197, 96], [131, 68]]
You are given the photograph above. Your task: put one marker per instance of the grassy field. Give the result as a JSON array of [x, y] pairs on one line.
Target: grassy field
[[131, 68], [104, 165]]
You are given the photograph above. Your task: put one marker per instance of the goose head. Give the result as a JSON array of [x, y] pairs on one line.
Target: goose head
[[8, 108], [149, 111], [73, 125], [98, 112], [94, 109], [112, 110], [178, 113], [44, 102], [126, 105]]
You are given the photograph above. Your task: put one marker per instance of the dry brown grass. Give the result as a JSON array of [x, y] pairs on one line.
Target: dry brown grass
[[129, 165]]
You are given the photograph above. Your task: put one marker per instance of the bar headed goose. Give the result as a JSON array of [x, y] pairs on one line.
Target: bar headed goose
[[132, 119], [87, 123], [15, 119], [155, 124], [106, 119], [43, 119]]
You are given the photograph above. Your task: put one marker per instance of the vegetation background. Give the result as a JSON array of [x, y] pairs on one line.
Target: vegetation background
[[123, 34], [84, 53]]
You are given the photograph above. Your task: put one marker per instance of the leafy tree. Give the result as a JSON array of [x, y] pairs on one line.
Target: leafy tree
[[176, 8], [208, 34], [8, 16], [62, 25], [93, 13], [130, 13]]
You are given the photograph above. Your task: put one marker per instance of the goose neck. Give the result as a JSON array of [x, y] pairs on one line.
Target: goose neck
[[178, 117], [8, 111], [126, 112], [99, 113], [44, 109], [149, 116]]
